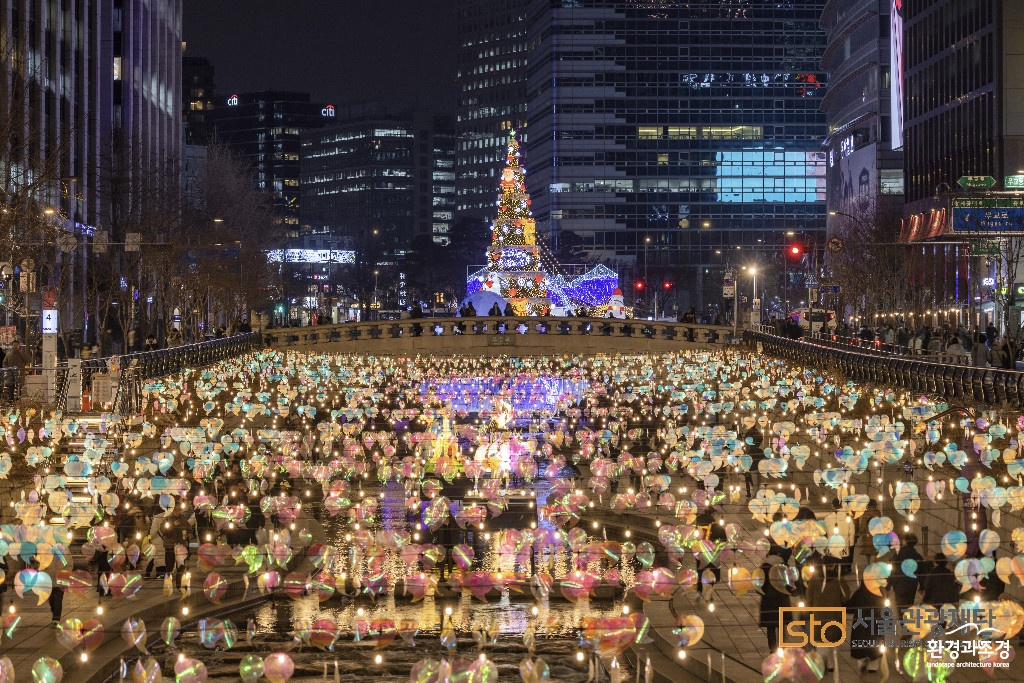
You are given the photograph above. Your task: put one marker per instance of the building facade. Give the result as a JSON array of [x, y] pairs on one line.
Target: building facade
[[865, 161], [378, 181], [264, 130], [197, 99], [95, 71], [964, 113], [91, 93], [678, 136], [491, 63]]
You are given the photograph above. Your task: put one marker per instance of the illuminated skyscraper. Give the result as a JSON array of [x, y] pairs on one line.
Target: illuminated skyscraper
[[264, 128], [963, 113], [684, 137], [864, 112], [492, 98]]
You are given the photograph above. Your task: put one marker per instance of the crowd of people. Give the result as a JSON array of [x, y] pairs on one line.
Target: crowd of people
[[978, 347], [834, 583]]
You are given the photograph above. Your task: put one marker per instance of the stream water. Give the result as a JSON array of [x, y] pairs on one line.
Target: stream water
[[278, 625]]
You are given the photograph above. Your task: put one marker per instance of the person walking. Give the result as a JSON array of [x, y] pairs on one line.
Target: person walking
[[865, 645], [752, 446], [175, 533], [16, 359], [979, 351], [905, 587], [864, 543], [826, 587], [957, 350], [157, 561], [840, 523], [103, 569], [771, 600], [55, 600], [940, 584]]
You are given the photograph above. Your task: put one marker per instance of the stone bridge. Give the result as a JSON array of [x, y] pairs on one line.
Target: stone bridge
[[500, 336]]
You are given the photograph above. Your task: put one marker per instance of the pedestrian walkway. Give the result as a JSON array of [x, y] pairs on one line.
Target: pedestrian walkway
[[35, 635], [732, 629]]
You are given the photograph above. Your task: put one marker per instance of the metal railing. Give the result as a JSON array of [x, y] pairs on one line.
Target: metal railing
[[496, 326], [988, 386], [135, 369], [872, 346]]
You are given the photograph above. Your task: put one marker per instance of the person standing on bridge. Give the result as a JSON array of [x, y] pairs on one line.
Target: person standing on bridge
[[15, 358], [980, 351]]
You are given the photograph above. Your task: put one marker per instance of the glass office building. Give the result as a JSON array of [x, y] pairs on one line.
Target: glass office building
[[964, 116], [682, 137], [491, 62], [264, 129], [377, 181]]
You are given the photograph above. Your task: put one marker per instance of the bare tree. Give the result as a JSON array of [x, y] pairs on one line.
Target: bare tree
[[872, 267], [142, 211], [227, 229], [1002, 255]]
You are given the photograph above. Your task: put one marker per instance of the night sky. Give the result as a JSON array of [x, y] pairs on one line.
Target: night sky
[[400, 52]]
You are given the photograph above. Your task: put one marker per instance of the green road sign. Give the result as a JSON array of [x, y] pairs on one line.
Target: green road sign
[[983, 247], [976, 182], [1013, 182]]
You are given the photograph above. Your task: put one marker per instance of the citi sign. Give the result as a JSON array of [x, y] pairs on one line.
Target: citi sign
[[328, 111], [233, 101]]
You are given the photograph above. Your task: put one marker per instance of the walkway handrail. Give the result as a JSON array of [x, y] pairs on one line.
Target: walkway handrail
[[988, 386], [879, 347], [142, 365]]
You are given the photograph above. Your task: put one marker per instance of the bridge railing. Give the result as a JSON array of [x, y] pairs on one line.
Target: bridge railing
[[988, 386], [495, 326]]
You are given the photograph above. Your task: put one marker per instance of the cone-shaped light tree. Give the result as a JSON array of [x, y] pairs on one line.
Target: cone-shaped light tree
[[513, 259]]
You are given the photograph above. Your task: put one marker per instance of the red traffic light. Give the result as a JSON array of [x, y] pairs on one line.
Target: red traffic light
[[639, 284], [795, 250], [667, 285]]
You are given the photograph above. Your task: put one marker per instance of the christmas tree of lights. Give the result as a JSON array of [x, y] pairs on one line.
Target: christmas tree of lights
[[513, 259]]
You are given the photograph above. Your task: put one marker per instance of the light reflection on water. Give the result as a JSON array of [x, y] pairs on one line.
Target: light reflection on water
[[510, 617], [526, 392]]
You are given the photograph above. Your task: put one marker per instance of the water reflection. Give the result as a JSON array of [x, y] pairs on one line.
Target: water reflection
[[510, 616], [277, 625]]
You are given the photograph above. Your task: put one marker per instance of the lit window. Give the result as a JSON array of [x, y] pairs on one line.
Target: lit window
[[648, 132], [117, 68], [683, 132]]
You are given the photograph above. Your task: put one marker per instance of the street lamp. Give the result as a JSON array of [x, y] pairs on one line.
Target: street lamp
[[850, 216], [376, 305], [647, 243], [753, 303]]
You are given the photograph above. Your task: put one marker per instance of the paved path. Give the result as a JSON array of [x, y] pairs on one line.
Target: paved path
[[733, 628], [35, 635]]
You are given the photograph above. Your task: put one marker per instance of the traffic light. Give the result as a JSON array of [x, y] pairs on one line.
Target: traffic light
[[795, 250], [667, 286], [639, 285]]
